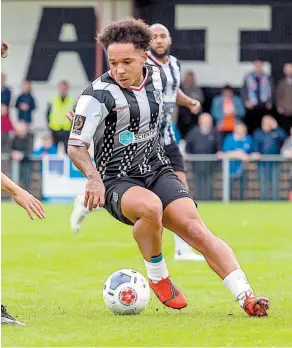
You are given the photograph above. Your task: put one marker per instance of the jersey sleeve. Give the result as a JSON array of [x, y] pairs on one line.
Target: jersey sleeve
[[89, 114]]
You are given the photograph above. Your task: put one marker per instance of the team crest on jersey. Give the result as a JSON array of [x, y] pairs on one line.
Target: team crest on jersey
[[157, 96], [78, 124]]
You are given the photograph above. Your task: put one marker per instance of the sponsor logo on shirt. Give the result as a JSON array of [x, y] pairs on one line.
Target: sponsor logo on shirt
[[126, 137], [120, 108]]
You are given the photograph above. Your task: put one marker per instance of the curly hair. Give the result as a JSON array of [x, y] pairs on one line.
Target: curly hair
[[127, 30], [4, 49]]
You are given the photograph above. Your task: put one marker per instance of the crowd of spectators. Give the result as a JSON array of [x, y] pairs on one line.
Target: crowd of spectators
[[240, 124]]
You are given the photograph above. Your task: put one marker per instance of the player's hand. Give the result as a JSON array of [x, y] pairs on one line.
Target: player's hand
[[94, 193], [194, 106], [70, 115], [29, 203]]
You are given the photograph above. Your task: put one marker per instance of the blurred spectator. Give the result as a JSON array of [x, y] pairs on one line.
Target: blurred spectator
[[58, 107], [21, 148], [227, 110], [47, 148], [238, 146], [203, 139], [5, 92], [185, 118], [284, 98], [286, 150], [6, 129], [6, 124], [25, 103], [257, 94], [268, 141]]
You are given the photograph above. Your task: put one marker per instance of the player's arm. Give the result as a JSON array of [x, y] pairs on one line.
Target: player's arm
[[23, 198], [183, 100], [89, 114]]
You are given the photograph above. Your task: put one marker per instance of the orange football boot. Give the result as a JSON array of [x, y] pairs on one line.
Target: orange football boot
[[256, 306], [168, 294]]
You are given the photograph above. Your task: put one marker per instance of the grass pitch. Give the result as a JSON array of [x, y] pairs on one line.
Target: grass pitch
[[52, 280]]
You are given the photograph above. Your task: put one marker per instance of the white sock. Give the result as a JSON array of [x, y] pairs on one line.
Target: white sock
[[181, 246], [156, 271], [237, 283]]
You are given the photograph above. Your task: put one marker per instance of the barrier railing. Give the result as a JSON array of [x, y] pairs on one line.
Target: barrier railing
[[209, 178]]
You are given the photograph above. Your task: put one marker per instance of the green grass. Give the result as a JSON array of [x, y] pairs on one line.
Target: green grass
[[52, 280]]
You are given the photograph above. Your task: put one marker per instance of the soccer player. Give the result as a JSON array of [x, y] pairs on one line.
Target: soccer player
[[133, 179], [32, 206], [25, 200], [159, 55]]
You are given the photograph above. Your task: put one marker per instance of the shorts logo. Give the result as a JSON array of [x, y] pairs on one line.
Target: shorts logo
[[78, 124], [157, 96], [115, 197], [182, 191]]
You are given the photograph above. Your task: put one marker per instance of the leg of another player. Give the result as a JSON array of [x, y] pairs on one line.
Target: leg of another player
[[183, 251], [182, 217], [144, 209], [79, 213]]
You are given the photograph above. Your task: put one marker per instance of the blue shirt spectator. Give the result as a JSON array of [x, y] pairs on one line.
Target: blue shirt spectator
[[238, 146], [5, 92], [269, 139], [25, 103], [227, 109], [48, 148]]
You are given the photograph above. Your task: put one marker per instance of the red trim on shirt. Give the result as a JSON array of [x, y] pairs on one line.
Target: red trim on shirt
[[81, 141], [158, 62]]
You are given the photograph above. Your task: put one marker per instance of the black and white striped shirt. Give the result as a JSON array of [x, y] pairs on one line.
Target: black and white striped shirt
[[123, 123], [172, 71]]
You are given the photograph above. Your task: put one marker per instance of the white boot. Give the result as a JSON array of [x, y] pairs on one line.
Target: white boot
[[79, 213], [184, 252]]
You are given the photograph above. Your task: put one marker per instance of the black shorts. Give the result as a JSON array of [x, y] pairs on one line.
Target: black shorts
[[175, 156], [164, 183]]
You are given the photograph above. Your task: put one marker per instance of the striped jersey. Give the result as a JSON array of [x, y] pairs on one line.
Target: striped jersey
[[123, 124], [172, 71]]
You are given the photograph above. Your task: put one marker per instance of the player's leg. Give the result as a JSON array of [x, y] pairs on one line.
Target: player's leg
[[183, 251], [135, 205], [7, 319], [181, 215], [79, 213]]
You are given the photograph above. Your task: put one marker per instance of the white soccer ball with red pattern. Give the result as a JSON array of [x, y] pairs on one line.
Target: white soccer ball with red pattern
[[126, 292]]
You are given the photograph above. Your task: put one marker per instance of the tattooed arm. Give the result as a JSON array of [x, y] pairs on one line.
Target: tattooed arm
[[94, 192]]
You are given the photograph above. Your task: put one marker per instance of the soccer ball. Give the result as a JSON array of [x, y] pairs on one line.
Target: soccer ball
[[126, 292]]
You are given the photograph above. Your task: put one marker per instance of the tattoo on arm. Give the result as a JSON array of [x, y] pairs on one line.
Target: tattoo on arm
[[80, 157]]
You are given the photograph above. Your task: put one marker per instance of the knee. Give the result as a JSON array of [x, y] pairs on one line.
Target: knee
[[199, 234], [152, 211]]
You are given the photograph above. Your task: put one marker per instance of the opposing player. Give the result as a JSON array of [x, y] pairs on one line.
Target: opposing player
[[25, 200], [133, 179], [159, 55]]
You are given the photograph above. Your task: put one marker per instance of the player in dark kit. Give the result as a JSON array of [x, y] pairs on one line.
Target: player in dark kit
[[25, 200], [120, 111]]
